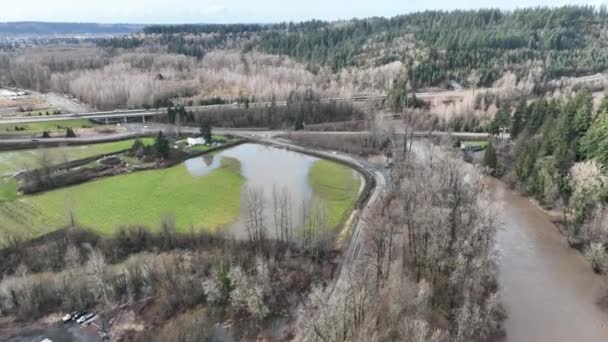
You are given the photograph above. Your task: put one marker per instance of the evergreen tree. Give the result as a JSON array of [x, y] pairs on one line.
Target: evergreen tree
[[69, 133], [594, 145], [501, 120], [299, 121], [603, 108], [536, 115], [161, 146], [490, 160], [517, 122], [205, 132], [584, 112]]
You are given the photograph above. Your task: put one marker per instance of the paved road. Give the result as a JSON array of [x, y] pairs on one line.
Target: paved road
[[82, 111], [353, 252], [353, 256], [122, 114], [135, 130]]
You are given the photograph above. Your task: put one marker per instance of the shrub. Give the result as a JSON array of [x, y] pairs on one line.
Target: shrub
[[69, 133]]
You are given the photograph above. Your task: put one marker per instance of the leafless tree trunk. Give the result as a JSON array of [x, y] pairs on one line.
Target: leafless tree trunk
[[282, 213], [254, 203], [96, 266]]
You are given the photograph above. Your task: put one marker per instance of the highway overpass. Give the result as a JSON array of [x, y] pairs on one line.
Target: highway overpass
[[123, 115]]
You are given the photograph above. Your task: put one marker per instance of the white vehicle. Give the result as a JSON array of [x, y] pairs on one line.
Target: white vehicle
[[84, 318], [66, 318], [89, 321]]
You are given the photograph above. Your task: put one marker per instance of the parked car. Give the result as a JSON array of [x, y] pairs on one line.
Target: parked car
[[89, 320], [75, 315], [84, 318], [66, 318]]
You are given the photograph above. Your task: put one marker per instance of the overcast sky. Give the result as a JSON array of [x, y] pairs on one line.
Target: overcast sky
[[230, 11]]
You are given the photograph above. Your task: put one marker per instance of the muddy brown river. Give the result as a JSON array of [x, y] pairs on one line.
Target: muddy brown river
[[549, 290]]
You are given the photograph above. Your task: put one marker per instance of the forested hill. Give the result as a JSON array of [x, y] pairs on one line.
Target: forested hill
[[47, 28], [468, 46]]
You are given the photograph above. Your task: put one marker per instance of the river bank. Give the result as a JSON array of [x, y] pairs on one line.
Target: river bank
[[548, 289]]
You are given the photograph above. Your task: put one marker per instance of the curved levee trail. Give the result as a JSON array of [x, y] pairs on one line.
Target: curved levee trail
[[548, 289]]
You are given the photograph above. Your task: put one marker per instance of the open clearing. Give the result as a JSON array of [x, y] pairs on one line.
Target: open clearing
[[209, 201], [482, 143], [19, 103], [137, 199], [50, 126], [12, 162], [337, 185]]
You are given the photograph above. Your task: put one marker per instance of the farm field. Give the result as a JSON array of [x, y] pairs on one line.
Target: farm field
[[50, 126], [142, 199], [12, 162], [204, 193], [37, 128]]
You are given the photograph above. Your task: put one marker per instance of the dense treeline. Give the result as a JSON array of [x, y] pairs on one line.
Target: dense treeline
[[553, 135], [563, 41], [302, 108], [119, 42], [524, 49], [204, 28], [168, 273], [428, 271], [134, 78], [473, 47], [43, 28], [560, 158]]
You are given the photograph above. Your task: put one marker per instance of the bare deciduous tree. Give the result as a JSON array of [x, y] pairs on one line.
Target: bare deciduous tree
[[254, 221], [96, 267]]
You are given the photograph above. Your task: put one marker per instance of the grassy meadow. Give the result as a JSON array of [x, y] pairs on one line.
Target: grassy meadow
[[141, 198], [337, 185], [50, 126], [481, 143], [12, 162]]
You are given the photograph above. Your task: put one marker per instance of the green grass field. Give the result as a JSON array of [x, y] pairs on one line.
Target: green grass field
[[482, 143], [51, 126], [141, 198], [8, 189], [337, 185], [12, 162]]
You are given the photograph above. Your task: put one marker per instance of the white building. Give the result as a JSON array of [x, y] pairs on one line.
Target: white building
[[196, 141]]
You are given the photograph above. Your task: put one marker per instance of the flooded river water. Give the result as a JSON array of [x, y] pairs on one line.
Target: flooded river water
[[271, 170], [549, 290]]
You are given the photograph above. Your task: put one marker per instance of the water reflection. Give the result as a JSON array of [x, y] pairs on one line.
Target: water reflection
[[271, 168], [201, 166], [264, 168]]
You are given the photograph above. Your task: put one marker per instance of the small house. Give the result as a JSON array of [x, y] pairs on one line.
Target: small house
[[196, 141]]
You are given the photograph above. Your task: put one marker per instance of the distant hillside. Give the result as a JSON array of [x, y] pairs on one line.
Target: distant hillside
[[474, 47], [44, 28]]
